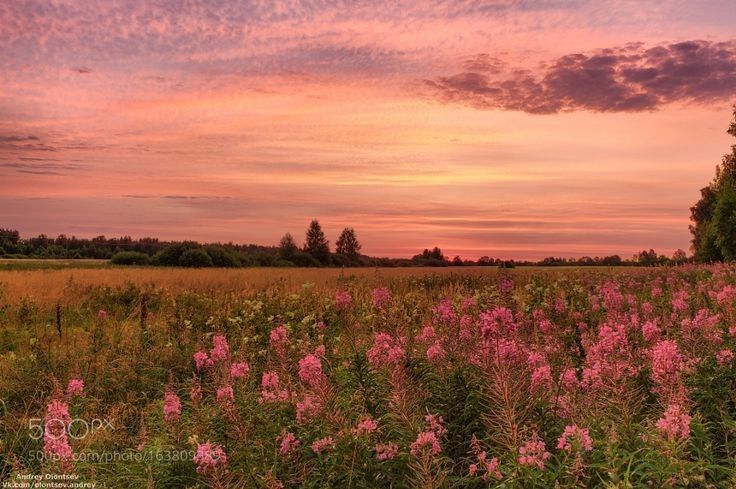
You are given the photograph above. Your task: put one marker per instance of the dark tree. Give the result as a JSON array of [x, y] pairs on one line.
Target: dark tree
[[287, 247], [714, 215], [316, 244], [348, 244]]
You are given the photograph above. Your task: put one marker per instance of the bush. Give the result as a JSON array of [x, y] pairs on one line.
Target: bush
[[130, 258], [195, 258], [303, 259], [222, 257]]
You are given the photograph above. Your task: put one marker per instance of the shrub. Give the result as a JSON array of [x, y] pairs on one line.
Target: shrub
[[195, 258], [130, 258]]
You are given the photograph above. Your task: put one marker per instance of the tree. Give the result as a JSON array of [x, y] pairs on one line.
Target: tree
[[348, 244], [679, 257], [130, 258], [287, 247], [714, 215], [316, 244], [195, 258]]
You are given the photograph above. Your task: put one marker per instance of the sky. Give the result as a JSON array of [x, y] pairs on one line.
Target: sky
[[513, 129]]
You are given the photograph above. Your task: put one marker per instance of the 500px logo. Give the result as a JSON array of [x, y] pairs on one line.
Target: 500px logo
[[76, 428]]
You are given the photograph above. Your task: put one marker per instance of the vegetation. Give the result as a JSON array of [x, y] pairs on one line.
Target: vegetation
[[493, 378], [714, 215]]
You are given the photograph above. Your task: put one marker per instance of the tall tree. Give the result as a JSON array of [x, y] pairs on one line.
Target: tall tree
[[287, 247], [348, 244], [714, 215], [316, 244]]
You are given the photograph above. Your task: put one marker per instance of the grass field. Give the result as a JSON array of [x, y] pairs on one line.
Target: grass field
[[453, 377]]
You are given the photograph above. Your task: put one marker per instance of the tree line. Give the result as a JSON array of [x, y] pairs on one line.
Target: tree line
[[314, 252]]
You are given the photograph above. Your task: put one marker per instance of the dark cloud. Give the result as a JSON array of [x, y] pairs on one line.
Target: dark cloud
[[82, 70], [623, 79], [38, 166]]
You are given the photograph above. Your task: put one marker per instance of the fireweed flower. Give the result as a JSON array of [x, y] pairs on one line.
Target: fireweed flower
[[75, 387], [381, 297], [343, 300], [172, 407], [202, 360], [225, 395], [426, 442], [220, 349], [279, 339], [436, 353], [101, 315], [307, 409], [534, 453], [569, 379], [271, 388], [323, 444], [209, 457], [541, 378], [575, 438], [488, 468], [386, 451], [436, 424], [55, 438], [385, 352], [195, 393], [666, 363], [675, 423], [365, 426], [650, 331], [288, 442], [310, 370], [239, 370], [724, 357]]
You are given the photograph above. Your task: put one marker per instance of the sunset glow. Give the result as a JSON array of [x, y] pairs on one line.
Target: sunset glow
[[504, 128]]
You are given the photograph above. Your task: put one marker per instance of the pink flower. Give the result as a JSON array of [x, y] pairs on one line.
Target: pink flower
[[209, 457], [239, 370], [650, 331], [542, 378], [75, 387], [202, 360], [381, 297], [343, 300], [172, 407], [426, 442], [225, 394], [675, 423], [365, 426], [279, 339], [101, 315], [666, 363], [307, 409], [534, 452], [271, 388], [436, 424], [385, 352], [220, 349], [310, 370], [323, 444], [569, 379], [576, 438], [724, 357], [386, 451], [287, 443], [436, 353], [56, 424]]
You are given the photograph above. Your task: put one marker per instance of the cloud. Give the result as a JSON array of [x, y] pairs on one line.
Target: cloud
[[622, 79], [39, 166]]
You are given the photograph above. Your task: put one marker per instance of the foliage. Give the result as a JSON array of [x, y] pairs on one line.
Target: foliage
[[130, 258]]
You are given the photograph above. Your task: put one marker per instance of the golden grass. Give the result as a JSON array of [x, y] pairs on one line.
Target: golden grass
[[48, 285]]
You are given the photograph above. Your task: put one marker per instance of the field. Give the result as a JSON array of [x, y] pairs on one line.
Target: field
[[457, 377]]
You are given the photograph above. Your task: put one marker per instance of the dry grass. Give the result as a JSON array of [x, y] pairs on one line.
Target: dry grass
[[46, 286]]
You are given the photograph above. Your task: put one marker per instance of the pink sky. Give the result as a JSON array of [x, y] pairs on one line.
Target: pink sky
[[510, 129]]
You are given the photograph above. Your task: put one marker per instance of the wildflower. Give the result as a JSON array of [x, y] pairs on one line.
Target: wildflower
[[489, 468], [55, 438], [310, 370], [675, 423], [320, 351], [426, 442], [542, 378], [569, 379], [101, 315], [666, 362], [271, 388], [381, 297], [287, 443], [343, 300], [323, 444], [307, 409], [724, 357], [365, 426], [679, 301], [75, 387], [209, 457], [445, 311], [239, 370], [575, 437], [195, 393], [386, 451], [495, 321], [172, 407], [220, 349], [385, 352], [650, 331], [279, 339], [436, 424], [436, 353], [225, 394], [202, 360], [534, 452]]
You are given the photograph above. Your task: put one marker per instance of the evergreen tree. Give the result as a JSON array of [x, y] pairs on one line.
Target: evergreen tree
[[348, 244], [316, 244]]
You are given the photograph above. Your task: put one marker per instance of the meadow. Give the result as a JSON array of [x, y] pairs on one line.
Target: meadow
[[454, 377]]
